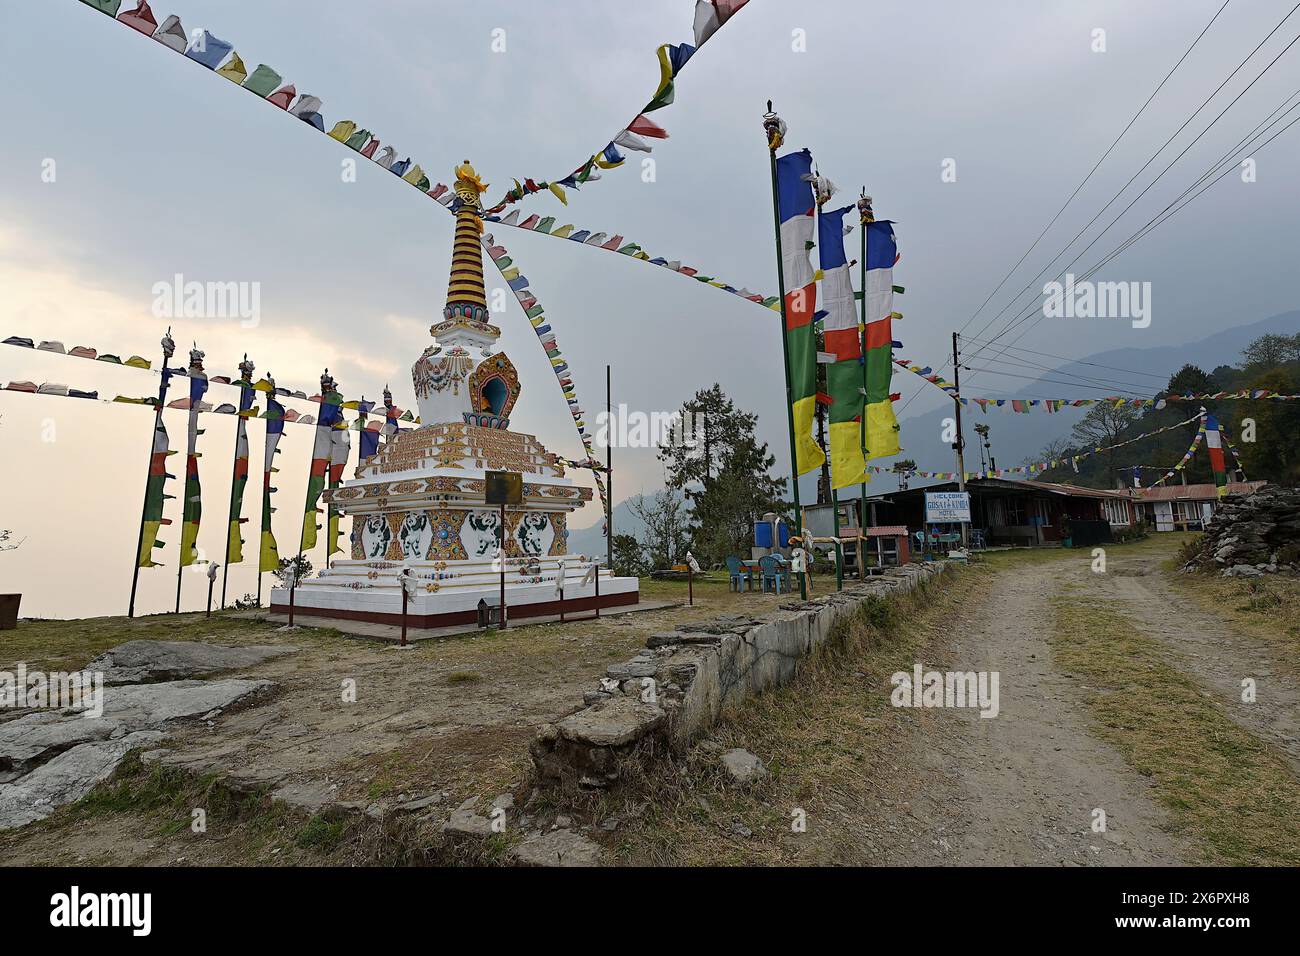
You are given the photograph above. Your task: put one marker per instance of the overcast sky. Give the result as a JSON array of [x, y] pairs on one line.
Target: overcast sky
[[163, 168]]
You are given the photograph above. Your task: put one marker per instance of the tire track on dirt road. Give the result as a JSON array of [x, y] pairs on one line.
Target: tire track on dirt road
[[1020, 788], [1208, 649]]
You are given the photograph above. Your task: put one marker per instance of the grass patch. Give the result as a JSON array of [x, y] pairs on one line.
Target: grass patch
[[1264, 609], [1229, 793], [69, 645], [825, 737], [321, 834], [464, 677]]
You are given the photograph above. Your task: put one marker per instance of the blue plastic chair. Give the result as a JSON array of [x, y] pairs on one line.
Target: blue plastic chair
[[739, 574], [773, 571]]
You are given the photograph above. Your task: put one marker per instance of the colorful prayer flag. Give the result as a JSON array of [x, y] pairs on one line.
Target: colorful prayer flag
[[844, 374], [795, 212]]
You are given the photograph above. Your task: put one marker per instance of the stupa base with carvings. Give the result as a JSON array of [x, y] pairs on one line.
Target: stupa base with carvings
[[420, 502]]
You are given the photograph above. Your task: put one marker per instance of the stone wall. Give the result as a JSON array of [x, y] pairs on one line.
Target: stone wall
[[677, 687], [1251, 535]]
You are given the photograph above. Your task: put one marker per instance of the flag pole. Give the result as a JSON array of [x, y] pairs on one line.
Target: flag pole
[[775, 137], [609, 475], [865, 216], [169, 349]]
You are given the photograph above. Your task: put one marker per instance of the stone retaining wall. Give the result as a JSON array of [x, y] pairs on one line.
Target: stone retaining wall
[[679, 685]]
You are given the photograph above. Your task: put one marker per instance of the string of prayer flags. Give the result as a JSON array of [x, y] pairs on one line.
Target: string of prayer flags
[[546, 337], [602, 240], [710, 15]]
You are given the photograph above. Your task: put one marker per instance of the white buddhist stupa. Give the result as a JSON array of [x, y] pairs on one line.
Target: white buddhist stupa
[[420, 501]]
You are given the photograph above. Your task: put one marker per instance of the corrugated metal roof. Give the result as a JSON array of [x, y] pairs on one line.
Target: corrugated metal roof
[[886, 531], [1203, 492]]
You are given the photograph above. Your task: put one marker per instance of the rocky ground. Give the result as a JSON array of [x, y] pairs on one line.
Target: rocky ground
[[322, 722]]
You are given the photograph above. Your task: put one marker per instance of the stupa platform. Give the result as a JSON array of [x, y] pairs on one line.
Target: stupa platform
[[449, 595]]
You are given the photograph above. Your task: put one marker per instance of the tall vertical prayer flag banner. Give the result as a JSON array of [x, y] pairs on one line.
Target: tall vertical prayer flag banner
[[239, 475], [269, 559], [844, 373], [1214, 444], [322, 453], [340, 447], [193, 510], [154, 492], [154, 497], [882, 253], [795, 211]]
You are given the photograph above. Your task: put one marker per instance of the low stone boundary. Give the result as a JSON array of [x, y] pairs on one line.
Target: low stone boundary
[[677, 687]]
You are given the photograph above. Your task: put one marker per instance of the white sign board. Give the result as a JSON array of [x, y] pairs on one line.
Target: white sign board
[[944, 507]]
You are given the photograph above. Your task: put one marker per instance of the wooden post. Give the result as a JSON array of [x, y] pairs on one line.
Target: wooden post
[[501, 614], [403, 611]]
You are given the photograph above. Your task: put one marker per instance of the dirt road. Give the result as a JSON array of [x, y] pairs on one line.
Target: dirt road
[[1023, 787], [1119, 703]]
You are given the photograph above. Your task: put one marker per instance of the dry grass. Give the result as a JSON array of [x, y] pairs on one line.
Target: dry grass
[[1266, 609], [68, 645], [1227, 791], [826, 737]]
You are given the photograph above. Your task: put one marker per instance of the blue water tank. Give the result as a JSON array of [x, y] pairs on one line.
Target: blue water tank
[[763, 535]]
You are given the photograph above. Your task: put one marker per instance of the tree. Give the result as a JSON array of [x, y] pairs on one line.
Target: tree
[[1271, 350], [6, 541], [1274, 452], [720, 426], [281, 573], [629, 556], [725, 477], [665, 519], [1101, 428], [1190, 379]]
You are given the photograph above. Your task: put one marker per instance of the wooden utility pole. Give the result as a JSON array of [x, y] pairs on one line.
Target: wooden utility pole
[[960, 443]]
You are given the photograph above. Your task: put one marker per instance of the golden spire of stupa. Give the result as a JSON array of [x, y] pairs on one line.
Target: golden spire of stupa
[[466, 300]]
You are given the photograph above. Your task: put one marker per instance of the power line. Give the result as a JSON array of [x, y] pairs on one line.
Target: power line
[[1095, 167], [1169, 211], [1114, 368], [1149, 161]]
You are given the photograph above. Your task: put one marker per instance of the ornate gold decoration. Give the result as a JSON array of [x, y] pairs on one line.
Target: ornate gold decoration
[[497, 367]]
